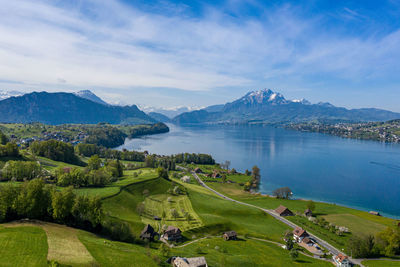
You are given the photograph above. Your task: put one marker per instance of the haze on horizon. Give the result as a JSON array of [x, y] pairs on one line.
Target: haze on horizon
[[199, 53]]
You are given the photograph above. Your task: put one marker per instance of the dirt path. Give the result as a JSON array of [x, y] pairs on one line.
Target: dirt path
[[64, 245]]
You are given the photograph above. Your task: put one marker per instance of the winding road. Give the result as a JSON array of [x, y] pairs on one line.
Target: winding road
[[323, 243]]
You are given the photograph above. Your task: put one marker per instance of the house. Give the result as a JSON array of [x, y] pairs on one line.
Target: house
[[341, 260], [189, 262], [148, 233], [216, 175], [308, 241], [198, 170], [185, 179], [283, 211], [231, 235], [299, 233], [308, 213], [172, 233], [374, 213]]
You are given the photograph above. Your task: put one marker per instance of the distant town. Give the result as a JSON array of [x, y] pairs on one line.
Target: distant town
[[378, 131]]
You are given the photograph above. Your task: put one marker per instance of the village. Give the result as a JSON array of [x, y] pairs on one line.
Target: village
[[379, 131]]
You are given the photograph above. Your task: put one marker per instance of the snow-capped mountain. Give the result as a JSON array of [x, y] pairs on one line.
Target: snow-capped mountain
[[87, 94], [301, 101], [267, 106], [262, 97], [8, 94]]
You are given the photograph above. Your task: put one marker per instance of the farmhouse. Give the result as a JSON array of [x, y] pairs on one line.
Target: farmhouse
[[299, 234], [185, 179], [231, 235], [341, 261], [172, 233], [283, 211], [308, 213], [189, 262], [216, 175], [198, 170], [147, 233]]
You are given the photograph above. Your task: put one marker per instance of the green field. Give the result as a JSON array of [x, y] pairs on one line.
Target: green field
[[156, 205], [356, 224], [244, 253], [381, 263], [23, 246], [111, 253]]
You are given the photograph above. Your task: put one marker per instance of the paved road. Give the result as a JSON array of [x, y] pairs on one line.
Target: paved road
[[323, 243]]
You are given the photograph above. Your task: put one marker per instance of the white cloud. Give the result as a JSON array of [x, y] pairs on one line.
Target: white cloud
[[110, 45]]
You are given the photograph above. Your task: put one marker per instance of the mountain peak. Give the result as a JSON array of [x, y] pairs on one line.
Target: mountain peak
[[263, 96], [89, 95]]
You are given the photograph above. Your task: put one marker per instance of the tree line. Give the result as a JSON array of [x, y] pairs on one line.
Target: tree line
[[88, 150], [95, 174], [37, 200], [55, 150], [385, 243]]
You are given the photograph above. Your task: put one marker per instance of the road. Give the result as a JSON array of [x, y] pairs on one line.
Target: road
[[323, 243]]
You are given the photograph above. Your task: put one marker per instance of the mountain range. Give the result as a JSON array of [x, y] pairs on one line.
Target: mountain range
[[60, 108], [267, 106]]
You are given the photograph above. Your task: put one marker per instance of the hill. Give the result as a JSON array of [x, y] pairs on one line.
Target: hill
[[59, 108], [266, 106]]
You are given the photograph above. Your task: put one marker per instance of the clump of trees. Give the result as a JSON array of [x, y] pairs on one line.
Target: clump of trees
[[95, 174], [255, 179], [106, 136], [3, 138], [55, 150], [20, 171], [37, 200], [283, 193], [9, 150], [88, 150], [162, 173], [152, 129], [194, 158]]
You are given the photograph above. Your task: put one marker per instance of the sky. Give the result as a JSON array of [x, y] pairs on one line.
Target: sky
[[199, 53]]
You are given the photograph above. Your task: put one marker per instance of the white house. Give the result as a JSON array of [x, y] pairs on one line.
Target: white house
[[341, 260]]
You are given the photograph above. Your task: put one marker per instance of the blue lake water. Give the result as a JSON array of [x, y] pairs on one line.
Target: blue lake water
[[359, 174]]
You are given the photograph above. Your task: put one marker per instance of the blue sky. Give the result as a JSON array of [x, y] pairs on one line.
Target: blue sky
[[198, 53]]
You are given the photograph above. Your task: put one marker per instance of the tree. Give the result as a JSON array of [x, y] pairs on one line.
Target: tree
[[188, 216], [62, 203], [223, 178], [283, 192], [174, 213], [311, 205], [94, 163], [255, 174], [288, 237], [162, 173], [247, 172], [164, 250], [140, 208], [388, 241], [361, 247], [3, 138], [294, 254]]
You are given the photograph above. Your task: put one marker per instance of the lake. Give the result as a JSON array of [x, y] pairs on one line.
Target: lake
[[354, 173]]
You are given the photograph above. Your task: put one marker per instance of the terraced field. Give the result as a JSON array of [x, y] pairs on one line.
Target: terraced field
[[157, 205]]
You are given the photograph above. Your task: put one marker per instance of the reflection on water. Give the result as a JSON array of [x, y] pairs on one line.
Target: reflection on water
[[361, 174]]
